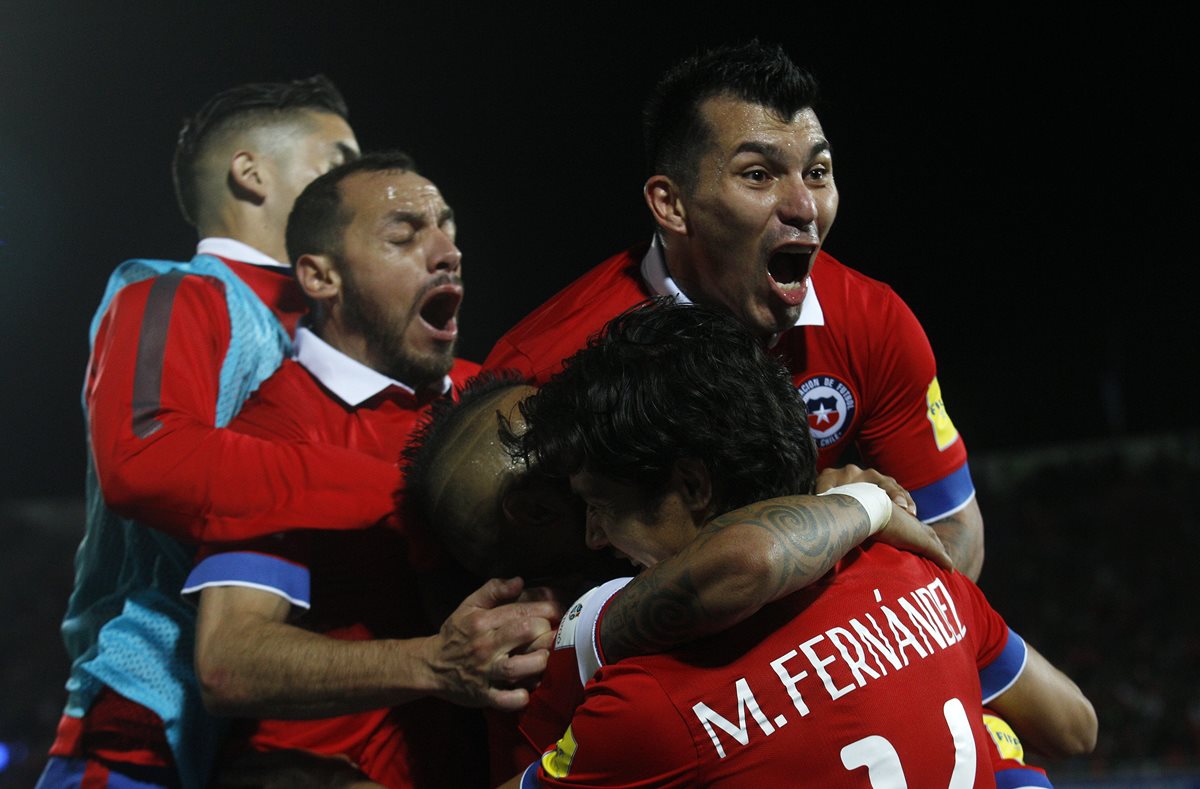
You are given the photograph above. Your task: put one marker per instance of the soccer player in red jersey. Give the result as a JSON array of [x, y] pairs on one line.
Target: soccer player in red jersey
[[874, 676], [743, 194], [176, 347], [358, 685], [499, 517]]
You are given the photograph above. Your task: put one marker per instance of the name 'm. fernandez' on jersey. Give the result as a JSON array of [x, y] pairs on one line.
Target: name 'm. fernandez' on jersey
[[867, 648]]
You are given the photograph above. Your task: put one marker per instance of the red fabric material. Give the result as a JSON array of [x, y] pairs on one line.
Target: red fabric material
[[364, 583], [188, 477], [641, 719], [114, 730], [871, 342]]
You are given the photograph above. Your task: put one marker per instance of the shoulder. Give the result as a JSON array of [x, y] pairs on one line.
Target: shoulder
[[566, 319], [844, 286], [617, 276], [627, 732], [284, 406], [579, 628], [463, 370]]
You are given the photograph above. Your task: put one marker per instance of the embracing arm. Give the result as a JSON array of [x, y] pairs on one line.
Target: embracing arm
[[962, 534], [252, 663], [743, 560], [1047, 710], [152, 388]]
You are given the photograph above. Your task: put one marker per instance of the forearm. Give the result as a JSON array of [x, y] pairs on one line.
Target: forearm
[[738, 563], [962, 534], [275, 670], [1048, 711], [252, 663], [207, 484]]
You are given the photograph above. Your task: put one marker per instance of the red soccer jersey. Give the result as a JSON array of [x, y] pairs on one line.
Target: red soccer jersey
[[187, 477], [356, 585], [870, 673], [858, 356]]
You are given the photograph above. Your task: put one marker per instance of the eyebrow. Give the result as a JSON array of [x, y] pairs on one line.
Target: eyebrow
[[417, 217], [772, 151]]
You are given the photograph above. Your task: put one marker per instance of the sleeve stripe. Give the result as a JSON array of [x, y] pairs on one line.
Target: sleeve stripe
[[946, 496], [589, 655], [1022, 778], [999, 675], [254, 571], [529, 778], [152, 348]]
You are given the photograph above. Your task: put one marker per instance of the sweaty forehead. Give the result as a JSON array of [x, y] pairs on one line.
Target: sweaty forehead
[[392, 190], [735, 123]]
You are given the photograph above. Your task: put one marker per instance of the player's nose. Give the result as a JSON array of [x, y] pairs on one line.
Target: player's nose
[[444, 255], [796, 203]]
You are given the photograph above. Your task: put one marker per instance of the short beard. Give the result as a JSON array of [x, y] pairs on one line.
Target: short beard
[[384, 335]]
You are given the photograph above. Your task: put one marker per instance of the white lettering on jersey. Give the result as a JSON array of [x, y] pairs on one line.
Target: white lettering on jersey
[[841, 660]]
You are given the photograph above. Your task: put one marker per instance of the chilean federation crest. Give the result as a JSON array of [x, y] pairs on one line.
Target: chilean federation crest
[[830, 408]]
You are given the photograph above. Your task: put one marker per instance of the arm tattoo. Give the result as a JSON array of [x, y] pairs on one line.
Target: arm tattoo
[[705, 588]]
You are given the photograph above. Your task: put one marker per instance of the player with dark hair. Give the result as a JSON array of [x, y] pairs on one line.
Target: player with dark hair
[[331, 625], [879, 665], [498, 515], [270, 118], [741, 189], [176, 348]]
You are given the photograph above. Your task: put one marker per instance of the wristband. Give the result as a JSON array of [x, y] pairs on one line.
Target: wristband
[[872, 498]]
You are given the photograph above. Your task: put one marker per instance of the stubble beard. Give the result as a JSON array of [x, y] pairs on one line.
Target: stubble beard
[[384, 335]]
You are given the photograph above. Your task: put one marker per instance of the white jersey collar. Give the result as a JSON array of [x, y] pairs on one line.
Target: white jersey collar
[[660, 283], [232, 249], [352, 381]]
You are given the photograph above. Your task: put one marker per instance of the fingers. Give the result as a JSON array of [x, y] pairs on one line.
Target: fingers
[[487, 646], [507, 700], [544, 641], [522, 669], [833, 477], [906, 532], [494, 592]]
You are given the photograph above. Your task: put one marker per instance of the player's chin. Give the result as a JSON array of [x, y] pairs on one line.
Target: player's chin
[[767, 319]]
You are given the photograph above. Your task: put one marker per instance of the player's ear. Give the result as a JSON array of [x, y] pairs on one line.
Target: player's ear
[[247, 176], [691, 479], [318, 277], [663, 197]]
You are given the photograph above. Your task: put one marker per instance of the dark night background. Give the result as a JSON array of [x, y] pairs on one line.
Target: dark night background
[[1017, 176]]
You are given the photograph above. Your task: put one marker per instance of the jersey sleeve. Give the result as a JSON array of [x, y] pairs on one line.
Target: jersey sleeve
[[999, 651], [574, 659], [252, 570], [626, 733], [909, 433], [505, 355], [151, 393]]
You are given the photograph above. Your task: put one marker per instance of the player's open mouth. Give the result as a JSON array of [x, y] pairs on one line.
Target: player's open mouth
[[788, 272], [439, 311]]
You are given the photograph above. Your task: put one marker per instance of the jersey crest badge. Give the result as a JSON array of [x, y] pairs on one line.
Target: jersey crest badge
[[831, 405]]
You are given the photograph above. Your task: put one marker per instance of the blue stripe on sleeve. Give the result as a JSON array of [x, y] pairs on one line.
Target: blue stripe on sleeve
[[1022, 778], [997, 676], [254, 570], [946, 496], [529, 778]]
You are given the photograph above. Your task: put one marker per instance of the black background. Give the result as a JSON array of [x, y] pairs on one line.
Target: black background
[[1023, 180]]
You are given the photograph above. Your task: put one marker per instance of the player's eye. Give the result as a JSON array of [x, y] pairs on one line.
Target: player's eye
[[757, 175]]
